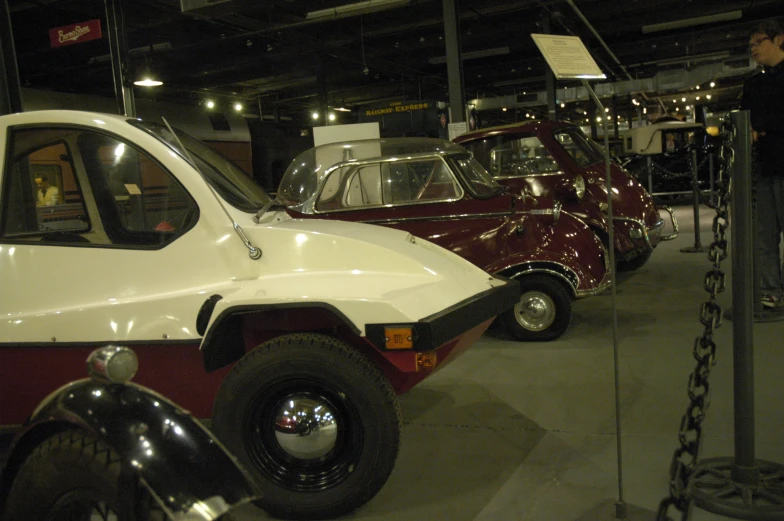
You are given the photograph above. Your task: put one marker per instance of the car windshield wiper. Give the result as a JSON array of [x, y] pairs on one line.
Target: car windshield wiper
[[274, 204]]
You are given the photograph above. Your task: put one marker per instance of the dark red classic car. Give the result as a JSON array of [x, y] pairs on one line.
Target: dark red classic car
[[435, 190], [556, 159]]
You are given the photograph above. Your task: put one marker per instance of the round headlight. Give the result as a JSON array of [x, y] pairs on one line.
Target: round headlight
[[112, 364], [579, 186]]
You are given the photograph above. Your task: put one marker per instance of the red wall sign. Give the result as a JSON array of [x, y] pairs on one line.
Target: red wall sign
[[75, 33]]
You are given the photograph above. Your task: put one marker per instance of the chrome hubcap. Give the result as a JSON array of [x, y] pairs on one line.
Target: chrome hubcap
[[305, 426], [535, 311]]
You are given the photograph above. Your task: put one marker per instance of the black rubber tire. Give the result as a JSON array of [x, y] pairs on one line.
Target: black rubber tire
[[556, 298], [70, 474], [365, 408], [635, 263]]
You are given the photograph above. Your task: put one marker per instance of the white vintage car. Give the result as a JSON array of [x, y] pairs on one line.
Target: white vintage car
[[294, 335]]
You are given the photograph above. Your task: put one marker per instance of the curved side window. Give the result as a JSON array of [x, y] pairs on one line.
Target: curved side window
[[388, 182], [139, 202]]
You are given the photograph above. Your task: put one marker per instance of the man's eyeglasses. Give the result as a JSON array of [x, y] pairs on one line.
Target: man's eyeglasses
[[757, 43]]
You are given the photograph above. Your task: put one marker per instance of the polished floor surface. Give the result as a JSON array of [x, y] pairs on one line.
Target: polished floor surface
[[515, 431]]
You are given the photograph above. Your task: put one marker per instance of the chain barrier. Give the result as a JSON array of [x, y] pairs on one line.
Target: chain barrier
[[684, 459], [680, 175]]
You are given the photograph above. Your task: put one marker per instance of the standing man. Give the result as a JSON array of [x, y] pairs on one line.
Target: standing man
[[48, 195], [763, 96]]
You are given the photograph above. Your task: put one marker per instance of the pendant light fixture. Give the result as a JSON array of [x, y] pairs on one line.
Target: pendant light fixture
[[146, 77]]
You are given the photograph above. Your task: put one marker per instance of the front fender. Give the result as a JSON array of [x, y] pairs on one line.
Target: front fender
[[182, 465]]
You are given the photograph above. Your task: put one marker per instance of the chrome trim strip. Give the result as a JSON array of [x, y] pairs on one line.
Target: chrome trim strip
[[596, 291], [568, 275], [436, 218], [543, 174], [675, 228]]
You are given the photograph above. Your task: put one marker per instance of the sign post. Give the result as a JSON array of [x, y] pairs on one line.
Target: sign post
[[570, 60]]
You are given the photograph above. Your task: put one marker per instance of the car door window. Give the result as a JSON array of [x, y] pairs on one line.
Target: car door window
[[102, 183], [43, 198]]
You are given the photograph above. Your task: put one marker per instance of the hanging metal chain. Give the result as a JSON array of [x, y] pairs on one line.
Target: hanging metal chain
[[685, 457]]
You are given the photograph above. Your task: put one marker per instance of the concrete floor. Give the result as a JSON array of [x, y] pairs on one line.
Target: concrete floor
[[514, 431]]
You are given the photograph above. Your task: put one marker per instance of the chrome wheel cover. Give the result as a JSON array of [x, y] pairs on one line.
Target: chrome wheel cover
[[305, 427], [535, 311]]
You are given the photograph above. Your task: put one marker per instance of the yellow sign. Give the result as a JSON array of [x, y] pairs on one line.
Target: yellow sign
[[397, 107]]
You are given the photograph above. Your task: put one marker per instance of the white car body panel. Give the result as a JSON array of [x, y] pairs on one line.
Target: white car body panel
[[371, 274]]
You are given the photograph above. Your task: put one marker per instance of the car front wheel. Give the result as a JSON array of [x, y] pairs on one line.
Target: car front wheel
[[314, 420], [543, 312], [73, 475]]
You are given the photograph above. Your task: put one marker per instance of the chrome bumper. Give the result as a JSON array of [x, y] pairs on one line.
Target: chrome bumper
[[644, 232], [674, 225]]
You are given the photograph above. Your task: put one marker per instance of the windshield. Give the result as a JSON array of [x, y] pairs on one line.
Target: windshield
[[478, 180], [578, 146], [233, 185]]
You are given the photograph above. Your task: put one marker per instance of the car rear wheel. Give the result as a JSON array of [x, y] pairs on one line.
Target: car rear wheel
[[314, 420], [74, 475], [543, 312]]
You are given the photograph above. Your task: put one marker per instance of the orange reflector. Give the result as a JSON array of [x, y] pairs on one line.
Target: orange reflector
[[426, 361], [399, 337]]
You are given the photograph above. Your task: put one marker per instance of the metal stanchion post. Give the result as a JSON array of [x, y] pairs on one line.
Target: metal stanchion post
[[712, 187], [742, 486], [695, 185], [649, 164]]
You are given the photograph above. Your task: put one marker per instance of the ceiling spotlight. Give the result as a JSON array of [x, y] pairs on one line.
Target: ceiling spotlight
[[645, 110], [269, 47], [331, 116], [683, 99], [314, 115], [598, 119], [528, 115], [210, 104], [607, 110], [697, 87], [697, 98], [238, 107], [712, 84], [148, 81], [708, 96], [563, 105], [504, 109]]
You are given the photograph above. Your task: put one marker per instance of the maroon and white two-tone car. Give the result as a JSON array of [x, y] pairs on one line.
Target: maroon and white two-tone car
[[435, 190]]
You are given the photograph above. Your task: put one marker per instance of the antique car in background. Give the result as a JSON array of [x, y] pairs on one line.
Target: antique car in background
[[555, 159], [234, 309], [435, 190], [106, 448], [666, 145]]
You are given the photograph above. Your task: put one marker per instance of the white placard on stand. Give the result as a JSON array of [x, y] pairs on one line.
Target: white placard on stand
[[456, 129], [338, 133], [567, 57]]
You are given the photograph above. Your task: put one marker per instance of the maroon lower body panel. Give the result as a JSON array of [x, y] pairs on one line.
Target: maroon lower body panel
[[28, 374]]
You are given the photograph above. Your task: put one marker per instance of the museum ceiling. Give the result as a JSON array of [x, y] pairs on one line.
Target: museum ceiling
[[270, 54]]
